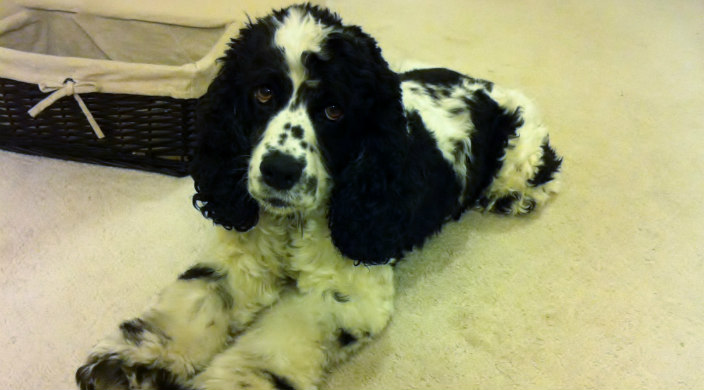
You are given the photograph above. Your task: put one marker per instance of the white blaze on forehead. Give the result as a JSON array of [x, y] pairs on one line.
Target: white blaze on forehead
[[298, 33]]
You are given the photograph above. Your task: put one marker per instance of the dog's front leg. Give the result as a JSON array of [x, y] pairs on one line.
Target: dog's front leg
[[193, 319], [293, 344]]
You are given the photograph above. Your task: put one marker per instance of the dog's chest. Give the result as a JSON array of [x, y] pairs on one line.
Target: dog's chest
[[302, 246], [317, 266]]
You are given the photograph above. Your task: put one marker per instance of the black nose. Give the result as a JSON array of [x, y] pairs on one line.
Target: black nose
[[281, 171]]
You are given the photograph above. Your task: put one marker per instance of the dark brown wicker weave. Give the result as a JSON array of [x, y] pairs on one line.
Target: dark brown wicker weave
[[151, 133]]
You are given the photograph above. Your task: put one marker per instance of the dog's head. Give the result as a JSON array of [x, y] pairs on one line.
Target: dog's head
[[305, 113]]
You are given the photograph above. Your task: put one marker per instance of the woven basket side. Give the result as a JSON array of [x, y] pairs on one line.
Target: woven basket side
[[150, 133]]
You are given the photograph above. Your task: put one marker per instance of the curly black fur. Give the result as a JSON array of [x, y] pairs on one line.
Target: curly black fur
[[229, 128], [392, 187]]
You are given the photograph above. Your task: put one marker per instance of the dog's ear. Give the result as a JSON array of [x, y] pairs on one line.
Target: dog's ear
[[368, 205], [221, 160]]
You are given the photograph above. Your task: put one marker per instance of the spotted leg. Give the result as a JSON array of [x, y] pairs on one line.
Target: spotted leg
[[312, 328], [529, 172], [193, 319]]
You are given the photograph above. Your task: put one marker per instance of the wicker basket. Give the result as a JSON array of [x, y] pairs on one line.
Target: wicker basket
[[143, 132], [132, 114]]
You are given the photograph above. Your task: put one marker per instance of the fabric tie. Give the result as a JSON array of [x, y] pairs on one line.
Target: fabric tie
[[69, 88]]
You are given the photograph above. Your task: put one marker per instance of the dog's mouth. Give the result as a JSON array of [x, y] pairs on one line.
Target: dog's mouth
[[299, 199], [277, 203]]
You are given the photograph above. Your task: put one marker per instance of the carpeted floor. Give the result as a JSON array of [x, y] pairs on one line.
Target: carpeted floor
[[602, 289]]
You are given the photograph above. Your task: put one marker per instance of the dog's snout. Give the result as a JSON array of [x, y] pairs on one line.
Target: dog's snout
[[281, 171]]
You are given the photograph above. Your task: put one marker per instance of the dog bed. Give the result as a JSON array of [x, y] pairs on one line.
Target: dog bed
[[104, 89]]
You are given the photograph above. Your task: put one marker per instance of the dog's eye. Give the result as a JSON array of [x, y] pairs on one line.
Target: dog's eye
[[263, 94], [333, 113]]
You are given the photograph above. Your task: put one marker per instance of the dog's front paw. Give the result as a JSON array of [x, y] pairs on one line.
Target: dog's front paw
[[110, 372], [102, 372]]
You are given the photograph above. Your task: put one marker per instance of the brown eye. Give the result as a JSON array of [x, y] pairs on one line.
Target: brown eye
[[263, 94], [333, 113]]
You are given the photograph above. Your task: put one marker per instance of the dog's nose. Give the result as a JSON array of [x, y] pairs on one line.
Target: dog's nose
[[281, 171]]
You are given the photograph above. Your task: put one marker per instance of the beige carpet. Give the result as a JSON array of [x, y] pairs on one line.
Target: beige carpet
[[603, 289]]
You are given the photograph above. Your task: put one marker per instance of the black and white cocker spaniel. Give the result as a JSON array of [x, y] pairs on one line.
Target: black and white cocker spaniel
[[323, 167]]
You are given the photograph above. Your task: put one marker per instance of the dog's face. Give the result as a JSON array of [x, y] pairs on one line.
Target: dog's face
[[302, 112], [315, 96], [287, 172]]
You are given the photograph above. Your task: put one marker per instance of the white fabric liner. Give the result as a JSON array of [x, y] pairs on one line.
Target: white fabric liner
[[112, 55]]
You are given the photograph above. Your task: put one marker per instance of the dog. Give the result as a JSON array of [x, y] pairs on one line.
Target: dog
[[321, 168]]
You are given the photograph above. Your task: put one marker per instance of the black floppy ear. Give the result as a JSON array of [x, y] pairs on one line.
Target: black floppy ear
[[366, 216], [221, 160], [367, 212]]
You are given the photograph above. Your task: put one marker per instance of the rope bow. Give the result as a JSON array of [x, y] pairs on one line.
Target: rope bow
[[69, 88]]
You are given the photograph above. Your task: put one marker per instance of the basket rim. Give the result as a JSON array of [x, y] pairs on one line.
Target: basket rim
[[186, 81]]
